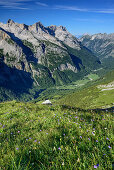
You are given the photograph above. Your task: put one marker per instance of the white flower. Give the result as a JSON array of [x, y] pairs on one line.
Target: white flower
[[63, 163]]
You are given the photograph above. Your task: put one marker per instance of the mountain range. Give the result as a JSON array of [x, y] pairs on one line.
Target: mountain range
[[36, 56], [102, 45]]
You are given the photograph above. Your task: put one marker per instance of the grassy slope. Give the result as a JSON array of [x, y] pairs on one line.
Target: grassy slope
[[92, 97], [52, 137]]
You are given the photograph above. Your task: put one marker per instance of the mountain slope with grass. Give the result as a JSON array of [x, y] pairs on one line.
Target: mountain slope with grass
[[98, 95]]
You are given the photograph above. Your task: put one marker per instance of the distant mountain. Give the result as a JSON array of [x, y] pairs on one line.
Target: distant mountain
[[38, 56], [102, 45], [78, 36]]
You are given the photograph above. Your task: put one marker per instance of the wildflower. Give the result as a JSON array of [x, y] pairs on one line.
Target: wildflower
[[63, 163], [93, 133], [39, 142], [96, 140], [18, 132], [59, 148], [79, 126], [54, 148], [109, 147], [64, 134], [29, 138], [47, 133], [81, 137], [78, 160], [95, 166], [17, 148], [107, 138], [26, 139], [35, 141], [88, 138]]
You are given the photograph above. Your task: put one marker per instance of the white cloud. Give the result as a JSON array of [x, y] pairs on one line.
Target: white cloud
[[69, 8], [13, 4], [15, 7], [106, 11], [92, 20], [74, 8], [42, 4], [21, 4]]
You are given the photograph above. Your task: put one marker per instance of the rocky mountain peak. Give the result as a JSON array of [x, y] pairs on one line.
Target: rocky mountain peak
[[10, 22], [62, 34], [54, 27], [23, 26], [38, 26], [62, 28]]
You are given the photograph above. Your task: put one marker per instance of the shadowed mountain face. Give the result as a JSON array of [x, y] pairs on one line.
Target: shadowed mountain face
[[14, 79], [38, 56]]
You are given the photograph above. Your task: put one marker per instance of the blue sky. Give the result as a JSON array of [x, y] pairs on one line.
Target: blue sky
[[78, 16]]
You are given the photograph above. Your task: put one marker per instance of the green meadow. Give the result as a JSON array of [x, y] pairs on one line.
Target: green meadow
[[35, 136], [90, 98], [95, 94]]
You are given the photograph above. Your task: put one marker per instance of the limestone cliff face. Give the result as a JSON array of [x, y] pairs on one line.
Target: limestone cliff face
[[63, 35], [3, 35], [46, 54]]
